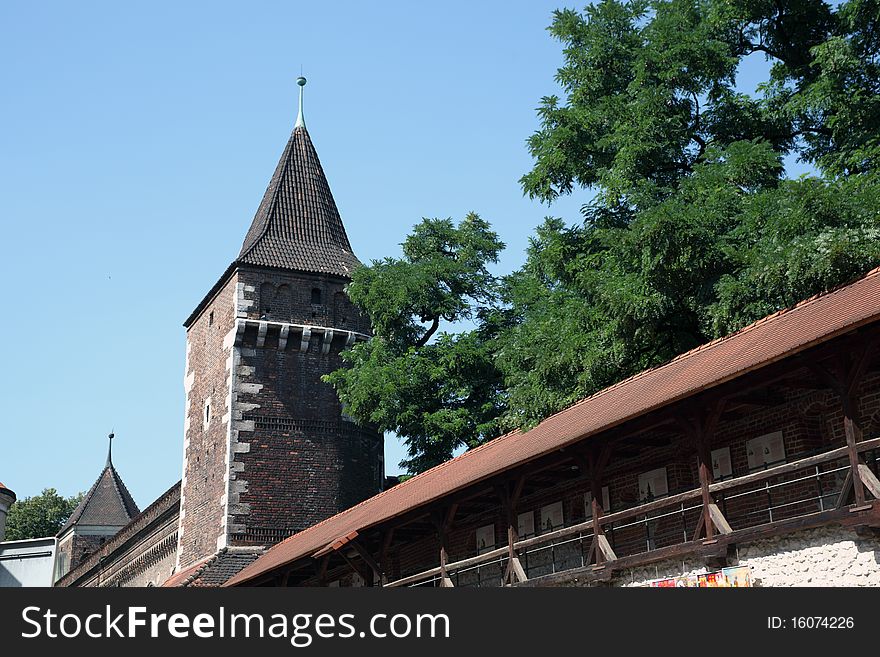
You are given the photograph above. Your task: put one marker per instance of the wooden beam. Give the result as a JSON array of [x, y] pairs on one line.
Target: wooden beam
[[719, 520], [514, 571], [605, 548], [806, 385], [699, 428], [517, 570], [368, 558], [853, 433], [322, 570], [699, 527], [517, 490], [861, 359], [387, 538], [365, 576], [870, 480], [845, 490]]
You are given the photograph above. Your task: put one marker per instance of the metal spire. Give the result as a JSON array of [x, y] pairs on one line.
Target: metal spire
[[110, 451], [300, 122]]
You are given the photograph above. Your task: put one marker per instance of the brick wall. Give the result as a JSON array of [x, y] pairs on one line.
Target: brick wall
[[276, 454], [206, 427], [302, 460]]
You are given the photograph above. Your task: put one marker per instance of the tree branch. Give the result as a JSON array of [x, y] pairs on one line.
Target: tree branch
[[435, 323]]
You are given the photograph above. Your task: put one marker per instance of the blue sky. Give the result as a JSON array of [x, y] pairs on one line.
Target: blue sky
[[137, 140]]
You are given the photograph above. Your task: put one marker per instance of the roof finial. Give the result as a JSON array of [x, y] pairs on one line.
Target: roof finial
[[300, 123], [110, 450]]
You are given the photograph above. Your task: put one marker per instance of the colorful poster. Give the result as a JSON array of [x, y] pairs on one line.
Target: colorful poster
[[733, 577], [711, 580], [738, 577]]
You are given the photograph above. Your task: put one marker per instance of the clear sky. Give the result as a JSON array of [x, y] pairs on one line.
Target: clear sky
[[136, 140]]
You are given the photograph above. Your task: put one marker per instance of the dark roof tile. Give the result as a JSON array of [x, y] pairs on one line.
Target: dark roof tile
[[107, 504], [297, 225]]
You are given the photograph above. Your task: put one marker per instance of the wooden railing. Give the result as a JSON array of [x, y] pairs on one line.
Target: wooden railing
[[585, 529]]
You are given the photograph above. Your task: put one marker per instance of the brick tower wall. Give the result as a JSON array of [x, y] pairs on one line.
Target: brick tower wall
[[277, 453], [205, 443], [300, 460]]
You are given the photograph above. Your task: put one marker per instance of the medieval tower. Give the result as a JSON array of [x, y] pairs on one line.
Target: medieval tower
[[268, 450]]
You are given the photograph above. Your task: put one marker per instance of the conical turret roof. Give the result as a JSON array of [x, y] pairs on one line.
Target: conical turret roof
[[297, 225], [107, 504]]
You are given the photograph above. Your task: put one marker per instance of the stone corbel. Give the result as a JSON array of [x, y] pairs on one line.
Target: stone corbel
[[306, 338], [328, 339]]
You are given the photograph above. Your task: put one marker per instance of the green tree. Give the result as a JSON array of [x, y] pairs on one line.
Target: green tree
[[40, 515], [436, 389], [694, 231]]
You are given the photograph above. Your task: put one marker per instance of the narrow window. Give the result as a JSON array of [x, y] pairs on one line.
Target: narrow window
[[316, 296], [211, 318]]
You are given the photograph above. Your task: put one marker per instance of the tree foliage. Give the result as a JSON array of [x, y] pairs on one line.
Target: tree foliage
[[693, 231], [438, 390], [39, 516]]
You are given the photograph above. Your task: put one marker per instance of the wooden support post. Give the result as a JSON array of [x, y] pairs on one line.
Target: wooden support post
[[600, 548], [701, 430], [509, 502], [442, 523], [383, 555], [853, 435], [705, 481], [851, 366], [322, 570]]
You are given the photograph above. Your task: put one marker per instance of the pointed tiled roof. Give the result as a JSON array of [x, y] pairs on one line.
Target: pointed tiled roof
[[107, 504], [297, 225]]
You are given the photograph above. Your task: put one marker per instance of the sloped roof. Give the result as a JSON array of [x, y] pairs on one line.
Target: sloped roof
[[214, 570], [107, 504], [768, 340], [297, 225], [165, 503]]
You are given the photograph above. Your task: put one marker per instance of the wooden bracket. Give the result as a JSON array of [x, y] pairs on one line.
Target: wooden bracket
[[869, 479]]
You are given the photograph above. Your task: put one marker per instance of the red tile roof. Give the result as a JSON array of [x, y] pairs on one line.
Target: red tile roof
[[777, 336]]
